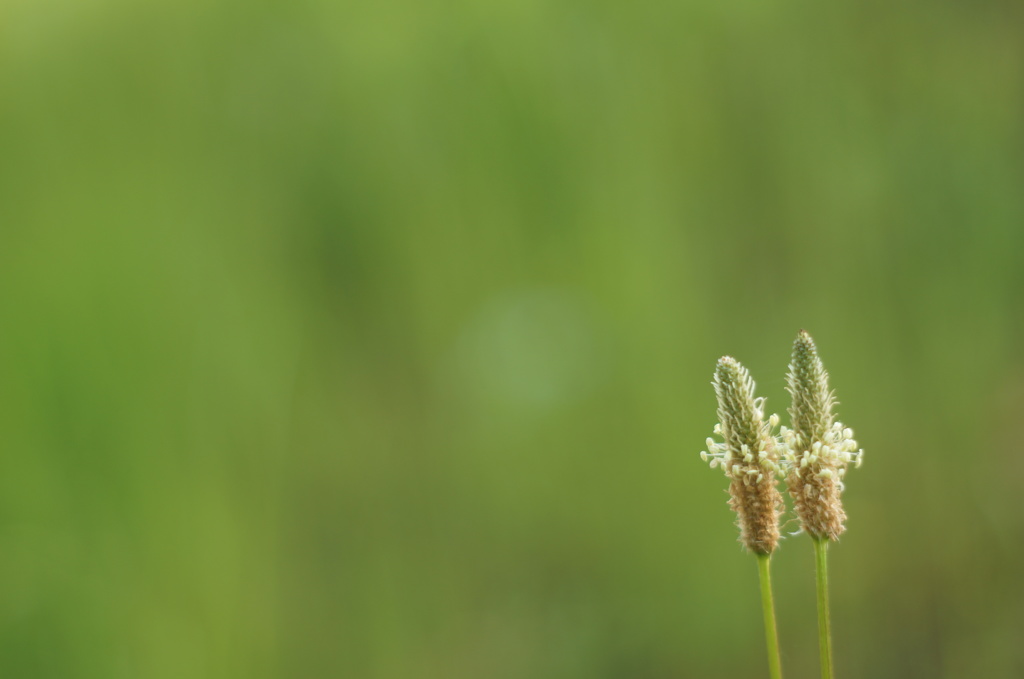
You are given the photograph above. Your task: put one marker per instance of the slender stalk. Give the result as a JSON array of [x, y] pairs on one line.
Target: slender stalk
[[824, 620], [768, 605]]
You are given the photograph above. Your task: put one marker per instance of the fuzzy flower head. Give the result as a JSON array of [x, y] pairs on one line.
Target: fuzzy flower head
[[818, 449], [748, 455]]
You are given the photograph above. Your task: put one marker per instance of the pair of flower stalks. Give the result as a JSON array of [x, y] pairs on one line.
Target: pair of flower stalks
[[812, 456]]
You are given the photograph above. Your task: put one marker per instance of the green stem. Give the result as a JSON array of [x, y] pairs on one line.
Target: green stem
[[824, 621], [768, 605]]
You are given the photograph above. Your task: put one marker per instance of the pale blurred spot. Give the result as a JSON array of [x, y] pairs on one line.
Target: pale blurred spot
[[534, 349]]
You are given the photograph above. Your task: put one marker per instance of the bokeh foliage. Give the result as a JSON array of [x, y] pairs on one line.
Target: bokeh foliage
[[374, 340]]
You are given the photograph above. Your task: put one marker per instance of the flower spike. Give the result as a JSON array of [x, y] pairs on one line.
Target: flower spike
[[748, 455], [818, 449]]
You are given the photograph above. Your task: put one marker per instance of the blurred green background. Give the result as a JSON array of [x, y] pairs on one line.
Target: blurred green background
[[374, 340]]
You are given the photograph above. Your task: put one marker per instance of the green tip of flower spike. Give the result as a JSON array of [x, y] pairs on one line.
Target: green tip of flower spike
[[737, 408], [807, 383]]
